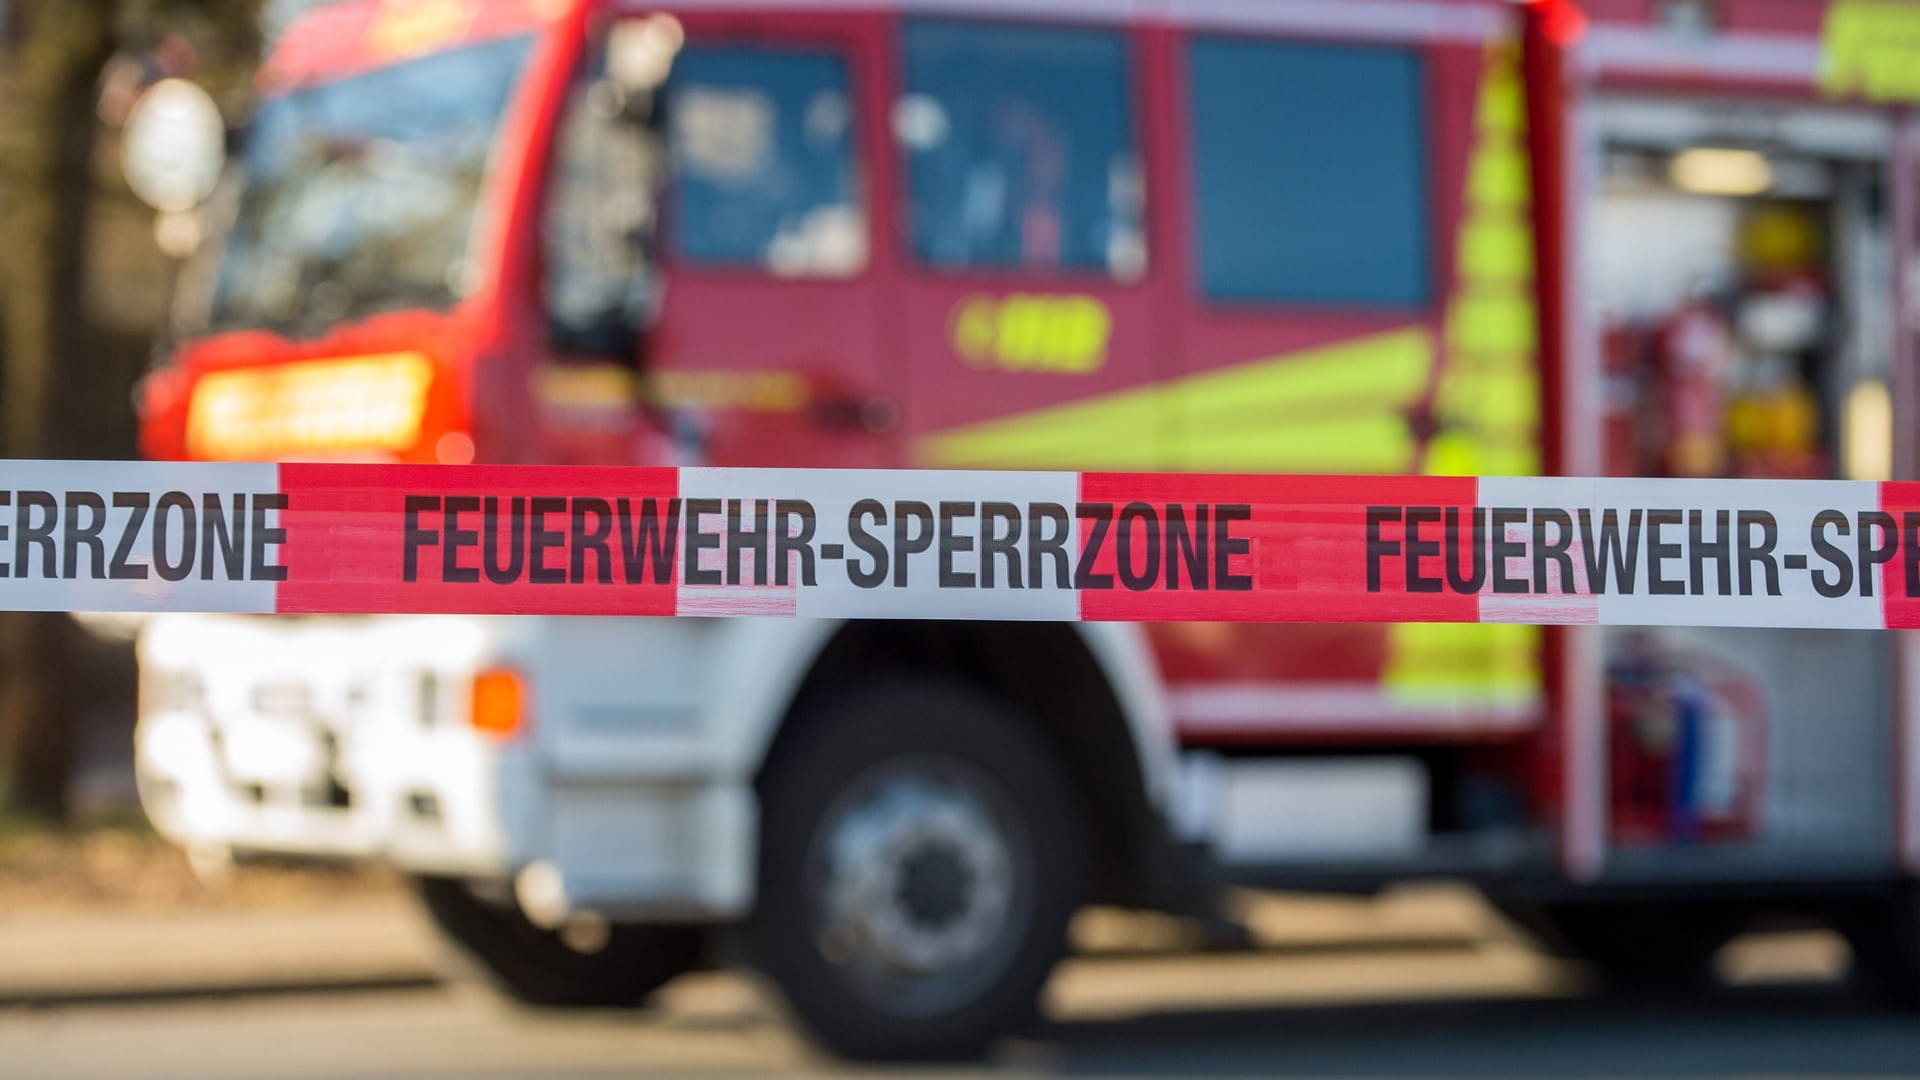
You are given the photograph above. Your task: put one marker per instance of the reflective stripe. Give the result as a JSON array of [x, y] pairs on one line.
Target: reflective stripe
[[1491, 320], [1870, 49], [1269, 707], [1641, 50], [1498, 176], [1332, 408], [1495, 247], [1488, 400], [1455, 661]]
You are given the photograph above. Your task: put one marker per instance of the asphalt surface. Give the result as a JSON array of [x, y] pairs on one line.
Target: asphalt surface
[[1492, 1010]]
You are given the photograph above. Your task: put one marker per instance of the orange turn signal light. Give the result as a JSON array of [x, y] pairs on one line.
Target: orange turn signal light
[[499, 702]]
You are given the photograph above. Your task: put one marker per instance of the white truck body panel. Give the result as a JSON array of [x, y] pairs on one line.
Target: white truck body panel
[[628, 791]]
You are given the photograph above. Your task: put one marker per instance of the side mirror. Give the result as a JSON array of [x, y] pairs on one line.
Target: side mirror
[[601, 289]]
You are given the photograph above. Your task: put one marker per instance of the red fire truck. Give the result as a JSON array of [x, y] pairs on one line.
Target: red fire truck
[[1373, 236]]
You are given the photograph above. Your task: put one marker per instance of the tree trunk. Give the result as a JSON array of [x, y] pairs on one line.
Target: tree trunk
[[47, 113]]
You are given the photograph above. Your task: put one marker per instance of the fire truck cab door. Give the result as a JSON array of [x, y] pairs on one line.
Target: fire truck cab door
[[1025, 316], [766, 348]]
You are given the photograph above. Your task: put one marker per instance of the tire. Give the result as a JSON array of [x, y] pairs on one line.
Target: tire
[[527, 964], [922, 850], [1642, 948], [1885, 937]]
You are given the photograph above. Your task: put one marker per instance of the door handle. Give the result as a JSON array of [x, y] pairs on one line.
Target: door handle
[[871, 415]]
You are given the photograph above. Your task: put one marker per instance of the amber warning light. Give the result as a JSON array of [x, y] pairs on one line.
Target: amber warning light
[[313, 407], [499, 702]]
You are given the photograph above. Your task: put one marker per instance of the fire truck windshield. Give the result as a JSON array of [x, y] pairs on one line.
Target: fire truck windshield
[[361, 193]]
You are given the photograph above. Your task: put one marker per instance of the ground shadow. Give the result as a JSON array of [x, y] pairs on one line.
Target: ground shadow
[[1811, 1030]]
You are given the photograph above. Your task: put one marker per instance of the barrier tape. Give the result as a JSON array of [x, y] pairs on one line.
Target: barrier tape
[[158, 536]]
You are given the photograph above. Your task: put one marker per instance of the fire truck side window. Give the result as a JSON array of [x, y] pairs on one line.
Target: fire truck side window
[[1020, 148], [764, 161], [1310, 173]]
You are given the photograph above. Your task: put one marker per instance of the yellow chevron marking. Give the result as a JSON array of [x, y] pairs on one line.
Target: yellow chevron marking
[[1493, 248], [1488, 402], [1502, 110], [1498, 177], [1492, 320], [1868, 50], [1473, 663], [1333, 408]]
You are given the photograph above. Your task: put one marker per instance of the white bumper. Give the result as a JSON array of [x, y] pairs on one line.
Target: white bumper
[[340, 738], [337, 737]]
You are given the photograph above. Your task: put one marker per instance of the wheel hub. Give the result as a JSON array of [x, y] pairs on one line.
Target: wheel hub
[[918, 877], [933, 887]]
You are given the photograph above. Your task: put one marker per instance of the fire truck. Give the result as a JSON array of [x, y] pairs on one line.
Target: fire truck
[[1463, 237]]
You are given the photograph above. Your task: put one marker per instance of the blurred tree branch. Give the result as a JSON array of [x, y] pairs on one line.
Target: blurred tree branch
[[61, 392]]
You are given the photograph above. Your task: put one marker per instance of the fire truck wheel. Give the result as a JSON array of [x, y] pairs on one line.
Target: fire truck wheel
[[616, 965], [922, 850], [1643, 948]]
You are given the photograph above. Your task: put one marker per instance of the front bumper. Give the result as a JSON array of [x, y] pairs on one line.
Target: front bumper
[[348, 738], [325, 738]]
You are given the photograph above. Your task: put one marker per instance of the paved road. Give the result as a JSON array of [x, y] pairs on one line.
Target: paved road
[[1493, 1010]]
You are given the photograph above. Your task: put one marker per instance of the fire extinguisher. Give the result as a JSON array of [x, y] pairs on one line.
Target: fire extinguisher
[[1687, 746], [1623, 348], [1692, 356]]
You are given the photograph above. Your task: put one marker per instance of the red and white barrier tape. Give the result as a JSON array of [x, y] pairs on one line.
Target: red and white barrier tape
[[158, 536]]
